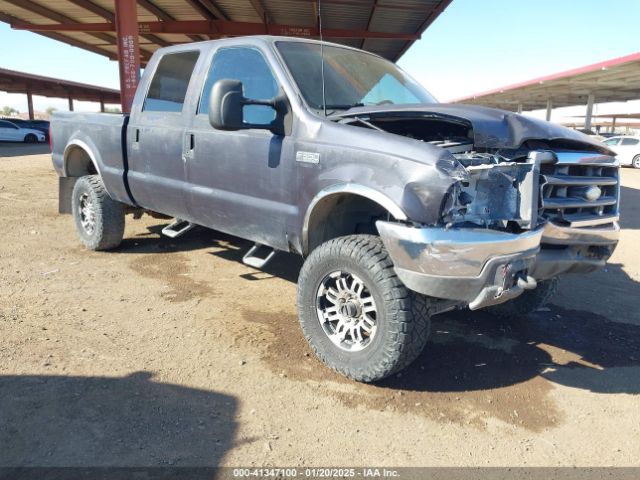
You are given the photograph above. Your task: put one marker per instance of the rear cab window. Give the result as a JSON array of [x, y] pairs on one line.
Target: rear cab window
[[629, 141], [168, 88]]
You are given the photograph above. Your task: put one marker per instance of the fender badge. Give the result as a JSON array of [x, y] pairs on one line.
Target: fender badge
[[307, 157]]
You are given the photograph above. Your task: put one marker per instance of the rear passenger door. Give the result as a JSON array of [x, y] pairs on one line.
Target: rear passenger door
[[242, 181], [157, 175]]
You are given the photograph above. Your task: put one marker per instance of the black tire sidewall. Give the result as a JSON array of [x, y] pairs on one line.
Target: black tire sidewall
[[402, 326], [30, 138], [81, 187], [311, 324], [635, 163]]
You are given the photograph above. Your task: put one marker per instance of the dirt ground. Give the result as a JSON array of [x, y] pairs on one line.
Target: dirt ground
[[172, 352]]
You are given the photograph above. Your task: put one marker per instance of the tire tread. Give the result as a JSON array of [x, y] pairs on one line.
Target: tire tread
[[110, 220], [407, 312]]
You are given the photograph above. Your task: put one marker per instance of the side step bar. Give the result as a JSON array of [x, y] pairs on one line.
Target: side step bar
[[253, 260], [177, 228]]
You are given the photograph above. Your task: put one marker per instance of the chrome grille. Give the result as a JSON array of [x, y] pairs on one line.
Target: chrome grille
[[580, 190]]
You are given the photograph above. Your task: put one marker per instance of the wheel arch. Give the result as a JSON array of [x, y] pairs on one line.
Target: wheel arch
[[79, 160], [348, 202]]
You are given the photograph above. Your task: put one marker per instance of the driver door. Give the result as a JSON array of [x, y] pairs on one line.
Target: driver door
[[242, 182]]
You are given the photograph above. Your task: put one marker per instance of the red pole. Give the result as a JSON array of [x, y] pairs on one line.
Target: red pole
[[128, 50], [30, 103]]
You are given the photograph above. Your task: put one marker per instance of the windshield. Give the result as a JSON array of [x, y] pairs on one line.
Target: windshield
[[352, 78]]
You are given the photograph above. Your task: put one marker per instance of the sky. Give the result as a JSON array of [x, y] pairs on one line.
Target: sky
[[473, 46]]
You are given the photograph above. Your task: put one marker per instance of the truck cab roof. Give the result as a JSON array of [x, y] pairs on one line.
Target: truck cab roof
[[257, 40]]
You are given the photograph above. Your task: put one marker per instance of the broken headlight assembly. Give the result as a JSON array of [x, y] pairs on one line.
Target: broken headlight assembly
[[494, 192]]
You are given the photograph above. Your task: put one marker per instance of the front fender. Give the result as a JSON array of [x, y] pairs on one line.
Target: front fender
[[354, 189]]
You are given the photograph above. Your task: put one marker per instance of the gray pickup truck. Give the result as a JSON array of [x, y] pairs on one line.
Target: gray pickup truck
[[402, 207]]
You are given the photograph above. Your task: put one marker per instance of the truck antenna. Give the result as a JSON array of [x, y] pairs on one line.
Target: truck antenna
[[324, 95]]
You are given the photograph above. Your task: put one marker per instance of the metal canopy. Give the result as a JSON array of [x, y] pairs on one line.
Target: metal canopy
[[616, 80], [612, 115], [18, 82], [385, 27]]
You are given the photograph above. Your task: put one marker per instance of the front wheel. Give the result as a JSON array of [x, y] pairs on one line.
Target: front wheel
[[30, 138], [356, 314], [636, 161], [99, 219]]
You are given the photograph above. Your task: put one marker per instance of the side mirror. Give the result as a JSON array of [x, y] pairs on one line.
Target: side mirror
[[226, 108]]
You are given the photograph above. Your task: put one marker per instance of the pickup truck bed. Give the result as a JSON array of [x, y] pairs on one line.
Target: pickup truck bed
[[99, 136]]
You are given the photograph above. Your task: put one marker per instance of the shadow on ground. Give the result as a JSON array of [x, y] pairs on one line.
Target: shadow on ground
[[105, 422], [470, 350], [285, 265], [475, 351], [629, 208], [14, 149]]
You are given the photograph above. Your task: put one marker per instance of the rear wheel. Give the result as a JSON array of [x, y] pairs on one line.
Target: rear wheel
[[355, 312], [528, 302], [30, 138], [636, 161], [99, 219]]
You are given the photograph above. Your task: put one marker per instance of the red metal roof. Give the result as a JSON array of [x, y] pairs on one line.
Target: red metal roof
[[385, 27], [615, 80]]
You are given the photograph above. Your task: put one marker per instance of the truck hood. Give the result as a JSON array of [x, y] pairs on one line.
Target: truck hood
[[492, 128]]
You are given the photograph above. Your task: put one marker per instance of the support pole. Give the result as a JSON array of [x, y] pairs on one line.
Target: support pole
[[102, 105], [519, 108], [613, 125], [70, 103], [549, 109], [128, 50], [30, 103], [589, 114]]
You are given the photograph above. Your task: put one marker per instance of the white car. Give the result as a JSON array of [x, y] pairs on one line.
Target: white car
[[10, 132], [627, 149]]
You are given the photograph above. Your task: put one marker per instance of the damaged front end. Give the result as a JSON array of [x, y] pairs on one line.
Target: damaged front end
[[495, 192], [517, 212]]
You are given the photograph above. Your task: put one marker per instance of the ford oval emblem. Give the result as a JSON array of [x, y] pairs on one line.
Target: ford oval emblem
[[593, 193]]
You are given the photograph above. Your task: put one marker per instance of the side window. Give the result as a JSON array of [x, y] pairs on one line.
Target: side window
[[629, 141], [170, 82], [611, 142], [249, 66]]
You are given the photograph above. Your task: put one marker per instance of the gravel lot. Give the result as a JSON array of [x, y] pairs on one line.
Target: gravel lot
[[172, 352]]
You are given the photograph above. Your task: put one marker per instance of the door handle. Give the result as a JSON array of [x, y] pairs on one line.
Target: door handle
[[136, 139], [189, 146]]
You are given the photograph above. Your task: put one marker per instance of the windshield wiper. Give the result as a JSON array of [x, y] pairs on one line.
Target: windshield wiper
[[337, 106]]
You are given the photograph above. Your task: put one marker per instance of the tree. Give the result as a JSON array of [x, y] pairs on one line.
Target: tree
[[50, 110], [8, 111]]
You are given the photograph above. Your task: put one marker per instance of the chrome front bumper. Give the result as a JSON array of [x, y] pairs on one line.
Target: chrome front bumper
[[481, 267]]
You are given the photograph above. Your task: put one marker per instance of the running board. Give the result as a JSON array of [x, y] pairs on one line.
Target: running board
[[254, 261], [177, 228]]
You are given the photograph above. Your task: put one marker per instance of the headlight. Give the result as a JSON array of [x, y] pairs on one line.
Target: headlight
[[452, 168]]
